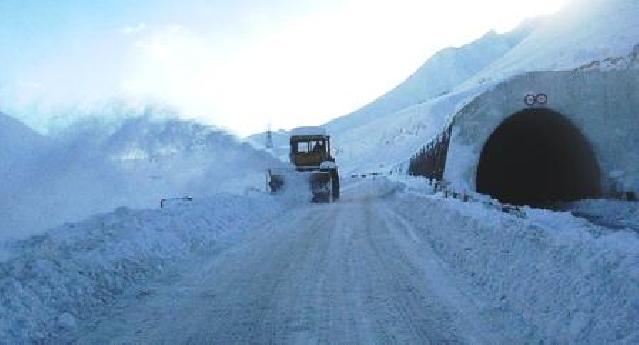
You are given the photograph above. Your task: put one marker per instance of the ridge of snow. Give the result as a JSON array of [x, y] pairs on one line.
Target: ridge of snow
[[54, 280], [548, 278]]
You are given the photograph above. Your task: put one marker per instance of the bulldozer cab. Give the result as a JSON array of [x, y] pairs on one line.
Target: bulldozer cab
[[309, 151]]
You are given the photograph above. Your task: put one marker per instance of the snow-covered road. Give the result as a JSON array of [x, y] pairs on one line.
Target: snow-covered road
[[389, 263], [351, 272]]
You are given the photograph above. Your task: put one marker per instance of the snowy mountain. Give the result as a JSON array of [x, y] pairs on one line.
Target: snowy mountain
[[90, 168], [20, 146], [586, 34], [439, 75], [359, 130], [17, 141]]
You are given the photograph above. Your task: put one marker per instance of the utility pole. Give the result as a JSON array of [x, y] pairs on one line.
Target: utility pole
[[269, 138]]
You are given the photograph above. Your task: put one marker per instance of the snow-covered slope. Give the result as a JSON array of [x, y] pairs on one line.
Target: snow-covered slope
[[364, 130], [439, 75], [95, 167], [20, 148], [18, 145], [585, 31], [16, 137], [390, 129]]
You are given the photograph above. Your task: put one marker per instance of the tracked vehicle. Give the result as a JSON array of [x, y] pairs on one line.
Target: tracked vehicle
[[310, 156]]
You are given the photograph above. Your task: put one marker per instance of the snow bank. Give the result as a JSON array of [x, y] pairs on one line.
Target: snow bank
[[612, 213], [548, 279], [52, 281]]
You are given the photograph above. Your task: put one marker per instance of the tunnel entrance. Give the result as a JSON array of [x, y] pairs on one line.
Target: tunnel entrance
[[537, 157]]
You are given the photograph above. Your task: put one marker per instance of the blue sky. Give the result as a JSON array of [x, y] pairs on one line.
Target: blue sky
[[237, 64]]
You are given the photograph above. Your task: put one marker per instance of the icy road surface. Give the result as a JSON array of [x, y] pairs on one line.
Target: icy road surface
[[351, 272], [386, 266]]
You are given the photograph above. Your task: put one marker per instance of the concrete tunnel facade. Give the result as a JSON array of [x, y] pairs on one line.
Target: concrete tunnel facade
[[549, 136]]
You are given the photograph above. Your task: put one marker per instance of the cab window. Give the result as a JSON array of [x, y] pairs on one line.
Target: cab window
[[303, 147], [318, 146]]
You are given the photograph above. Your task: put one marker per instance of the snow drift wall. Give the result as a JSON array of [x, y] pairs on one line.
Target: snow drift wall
[[55, 281], [601, 107]]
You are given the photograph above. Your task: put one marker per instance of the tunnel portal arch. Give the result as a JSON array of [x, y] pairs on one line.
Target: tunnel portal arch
[[536, 157]]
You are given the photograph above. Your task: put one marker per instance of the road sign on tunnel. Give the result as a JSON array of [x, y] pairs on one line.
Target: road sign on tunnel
[[529, 100], [540, 99]]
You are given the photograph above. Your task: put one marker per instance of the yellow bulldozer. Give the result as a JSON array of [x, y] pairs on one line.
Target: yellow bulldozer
[[310, 156]]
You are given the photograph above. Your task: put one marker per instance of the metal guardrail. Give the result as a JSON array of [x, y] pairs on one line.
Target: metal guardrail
[[448, 192], [372, 175]]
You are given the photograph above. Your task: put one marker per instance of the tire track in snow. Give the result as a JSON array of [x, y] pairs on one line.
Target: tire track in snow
[[349, 272], [443, 287]]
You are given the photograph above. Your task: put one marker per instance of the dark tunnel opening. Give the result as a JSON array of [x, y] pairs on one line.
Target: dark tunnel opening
[[537, 157]]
